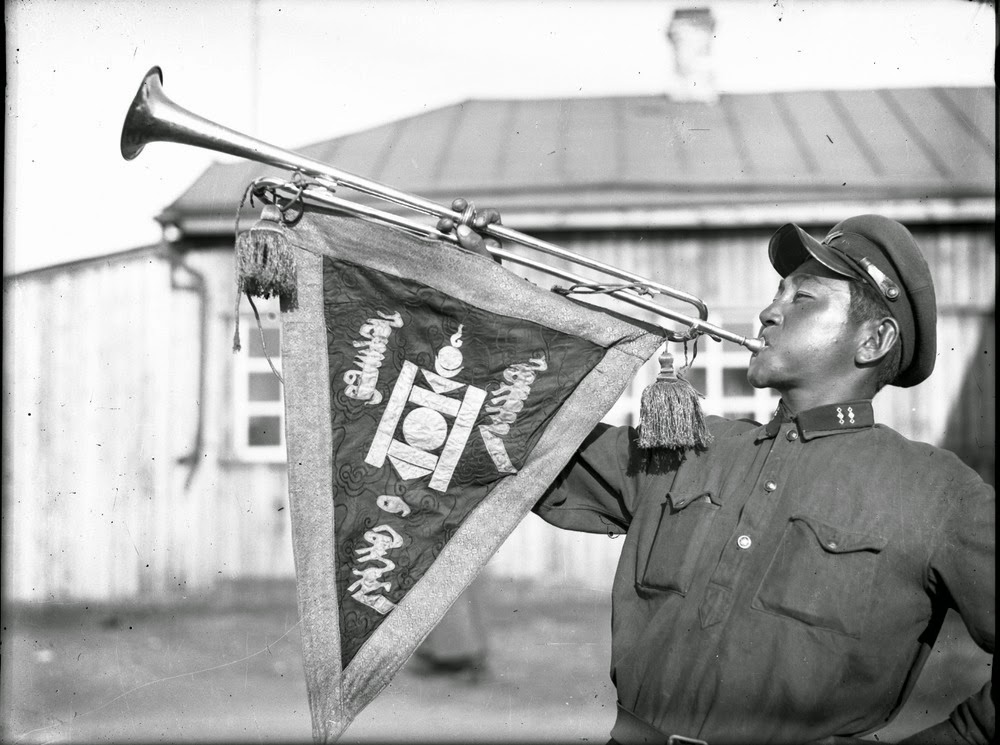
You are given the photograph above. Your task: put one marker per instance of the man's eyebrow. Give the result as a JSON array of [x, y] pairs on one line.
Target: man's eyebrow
[[813, 278]]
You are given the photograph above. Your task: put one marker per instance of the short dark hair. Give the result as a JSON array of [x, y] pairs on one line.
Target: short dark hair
[[867, 305]]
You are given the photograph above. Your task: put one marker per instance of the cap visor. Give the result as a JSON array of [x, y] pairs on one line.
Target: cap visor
[[791, 246]]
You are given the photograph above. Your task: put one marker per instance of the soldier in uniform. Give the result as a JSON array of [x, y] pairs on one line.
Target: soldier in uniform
[[787, 583]]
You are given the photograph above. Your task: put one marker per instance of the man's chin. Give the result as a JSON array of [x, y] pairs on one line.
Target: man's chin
[[758, 376]]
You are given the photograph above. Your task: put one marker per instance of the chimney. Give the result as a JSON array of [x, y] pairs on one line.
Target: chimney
[[690, 35]]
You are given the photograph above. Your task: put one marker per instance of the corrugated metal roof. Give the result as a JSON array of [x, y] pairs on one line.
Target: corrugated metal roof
[[567, 156]]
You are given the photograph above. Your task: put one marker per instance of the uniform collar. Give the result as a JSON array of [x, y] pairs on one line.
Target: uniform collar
[[831, 419]]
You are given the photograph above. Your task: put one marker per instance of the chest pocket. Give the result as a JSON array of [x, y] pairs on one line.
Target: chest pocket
[[685, 522], [822, 575]]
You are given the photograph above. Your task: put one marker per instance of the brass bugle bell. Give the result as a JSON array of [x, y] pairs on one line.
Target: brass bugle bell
[[153, 117]]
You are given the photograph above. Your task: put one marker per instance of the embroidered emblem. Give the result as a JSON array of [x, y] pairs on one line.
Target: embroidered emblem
[[429, 440], [850, 414], [369, 581], [448, 362], [503, 408], [840, 415], [360, 384], [380, 540], [368, 584], [426, 428], [393, 504]]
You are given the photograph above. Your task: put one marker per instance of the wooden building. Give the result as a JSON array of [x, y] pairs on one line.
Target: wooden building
[[144, 458]]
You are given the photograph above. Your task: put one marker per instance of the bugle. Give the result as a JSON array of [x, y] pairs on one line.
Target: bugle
[[153, 117]]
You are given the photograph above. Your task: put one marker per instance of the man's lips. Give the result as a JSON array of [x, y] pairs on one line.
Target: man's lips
[[766, 341]]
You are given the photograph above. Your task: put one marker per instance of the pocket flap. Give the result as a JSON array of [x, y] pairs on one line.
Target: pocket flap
[[680, 501], [838, 541], [696, 485]]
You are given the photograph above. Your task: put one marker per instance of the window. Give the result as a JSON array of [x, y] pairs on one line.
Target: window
[[259, 409], [720, 372]]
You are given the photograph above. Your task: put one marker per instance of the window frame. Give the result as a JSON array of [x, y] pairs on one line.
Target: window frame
[[715, 357], [244, 410]]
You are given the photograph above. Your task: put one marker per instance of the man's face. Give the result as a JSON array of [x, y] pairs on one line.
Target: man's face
[[810, 340]]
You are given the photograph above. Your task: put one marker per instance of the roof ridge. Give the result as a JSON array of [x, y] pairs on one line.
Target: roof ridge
[[158, 249]]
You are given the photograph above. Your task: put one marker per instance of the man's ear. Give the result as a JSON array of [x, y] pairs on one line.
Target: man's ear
[[877, 341]]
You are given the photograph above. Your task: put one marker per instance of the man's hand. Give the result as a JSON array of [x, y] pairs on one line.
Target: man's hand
[[468, 238]]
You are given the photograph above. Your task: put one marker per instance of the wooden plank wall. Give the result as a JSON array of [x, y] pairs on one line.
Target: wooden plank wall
[[86, 506]]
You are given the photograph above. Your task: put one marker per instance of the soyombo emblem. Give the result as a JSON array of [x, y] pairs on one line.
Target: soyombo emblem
[[445, 414]]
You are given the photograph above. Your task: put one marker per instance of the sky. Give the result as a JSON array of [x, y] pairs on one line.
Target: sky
[[292, 72]]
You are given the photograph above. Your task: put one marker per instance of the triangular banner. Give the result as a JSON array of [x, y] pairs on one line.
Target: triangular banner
[[431, 397]]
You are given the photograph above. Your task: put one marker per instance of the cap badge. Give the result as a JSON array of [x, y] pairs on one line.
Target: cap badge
[[888, 287]]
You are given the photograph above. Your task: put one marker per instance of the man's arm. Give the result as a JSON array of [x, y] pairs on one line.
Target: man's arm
[[598, 489], [962, 572]]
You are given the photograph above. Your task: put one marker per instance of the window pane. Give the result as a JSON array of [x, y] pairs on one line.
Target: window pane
[[734, 382], [264, 430], [696, 378], [272, 338], [743, 329], [264, 387]]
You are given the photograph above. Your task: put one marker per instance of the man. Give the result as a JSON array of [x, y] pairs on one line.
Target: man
[[786, 584]]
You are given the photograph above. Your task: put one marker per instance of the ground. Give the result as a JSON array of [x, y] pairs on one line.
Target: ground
[[228, 668]]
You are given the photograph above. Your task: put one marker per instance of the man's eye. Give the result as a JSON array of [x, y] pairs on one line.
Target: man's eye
[[802, 295]]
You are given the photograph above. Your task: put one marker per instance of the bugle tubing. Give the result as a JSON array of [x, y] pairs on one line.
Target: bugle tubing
[[153, 117]]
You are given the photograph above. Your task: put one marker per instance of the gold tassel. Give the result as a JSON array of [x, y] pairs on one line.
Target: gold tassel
[[265, 265], [670, 413]]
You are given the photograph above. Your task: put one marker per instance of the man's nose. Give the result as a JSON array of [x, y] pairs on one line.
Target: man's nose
[[770, 315]]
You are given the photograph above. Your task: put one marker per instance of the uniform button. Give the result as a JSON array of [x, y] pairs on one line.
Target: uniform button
[[770, 486], [792, 435], [744, 542]]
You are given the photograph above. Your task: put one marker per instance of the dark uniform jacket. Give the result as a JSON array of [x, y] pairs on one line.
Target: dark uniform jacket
[[786, 584]]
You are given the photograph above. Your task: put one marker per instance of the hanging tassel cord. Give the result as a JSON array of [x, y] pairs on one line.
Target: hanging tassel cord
[[671, 416], [264, 262], [247, 194], [263, 343]]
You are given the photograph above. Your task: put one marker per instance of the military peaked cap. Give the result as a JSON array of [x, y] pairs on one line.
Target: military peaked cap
[[883, 253]]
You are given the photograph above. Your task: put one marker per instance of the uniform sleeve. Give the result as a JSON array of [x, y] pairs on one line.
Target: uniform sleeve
[[599, 489], [596, 491], [962, 571]]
